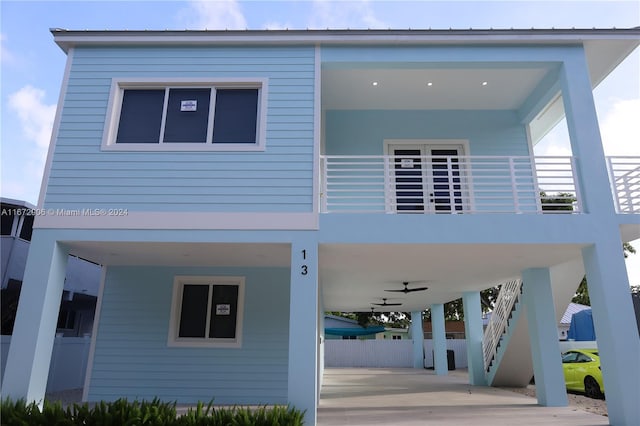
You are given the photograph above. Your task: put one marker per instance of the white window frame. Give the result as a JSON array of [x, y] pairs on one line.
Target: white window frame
[[176, 305], [119, 85]]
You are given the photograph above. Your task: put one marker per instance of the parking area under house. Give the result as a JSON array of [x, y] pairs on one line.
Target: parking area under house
[[406, 397]]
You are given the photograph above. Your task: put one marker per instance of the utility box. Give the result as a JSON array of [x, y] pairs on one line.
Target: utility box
[[451, 360]]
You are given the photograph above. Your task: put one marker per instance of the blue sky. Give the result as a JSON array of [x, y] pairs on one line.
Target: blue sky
[[32, 65]]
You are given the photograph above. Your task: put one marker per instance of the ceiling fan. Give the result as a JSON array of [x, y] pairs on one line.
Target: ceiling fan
[[406, 290], [384, 303]]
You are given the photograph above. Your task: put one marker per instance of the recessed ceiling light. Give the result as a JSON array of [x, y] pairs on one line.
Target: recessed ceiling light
[[375, 83], [484, 83], [429, 84]]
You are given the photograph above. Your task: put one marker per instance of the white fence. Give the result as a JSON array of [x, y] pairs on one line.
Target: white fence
[[386, 353], [68, 362]]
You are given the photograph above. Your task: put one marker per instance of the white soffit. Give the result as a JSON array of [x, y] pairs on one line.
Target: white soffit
[[505, 89]]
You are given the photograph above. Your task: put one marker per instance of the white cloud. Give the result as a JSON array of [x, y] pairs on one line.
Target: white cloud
[[6, 56], [620, 128], [36, 118], [343, 14], [22, 181], [214, 15]]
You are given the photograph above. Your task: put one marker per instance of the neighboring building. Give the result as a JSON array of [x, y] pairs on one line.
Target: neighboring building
[[453, 329], [235, 185], [636, 307], [565, 321], [336, 327], [392, 333], [76, 308], [81, 283]]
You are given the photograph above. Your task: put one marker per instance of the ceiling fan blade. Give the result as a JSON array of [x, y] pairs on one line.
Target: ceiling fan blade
[[397, 291], [409, 290], [387, 304]]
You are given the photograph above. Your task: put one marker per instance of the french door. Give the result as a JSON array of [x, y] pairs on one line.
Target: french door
[[427, 178]]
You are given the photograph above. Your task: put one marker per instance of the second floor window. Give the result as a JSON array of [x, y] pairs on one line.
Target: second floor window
[[188, 115]]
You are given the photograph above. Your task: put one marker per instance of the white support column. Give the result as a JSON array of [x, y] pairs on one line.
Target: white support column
[[303, 327], [439, 340], [474, 334], [584, 135], [618, 343], [417, 336], [615, 326], [27, 368], [543, 334]]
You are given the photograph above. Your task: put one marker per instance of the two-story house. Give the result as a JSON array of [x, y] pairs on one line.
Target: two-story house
[[237, 184]]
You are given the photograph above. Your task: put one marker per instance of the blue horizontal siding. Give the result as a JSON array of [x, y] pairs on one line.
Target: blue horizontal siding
[[132, 358], [363, 132], [151, 181], [489, 133]]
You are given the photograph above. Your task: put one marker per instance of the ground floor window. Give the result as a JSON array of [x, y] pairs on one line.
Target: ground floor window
[[207, 311]]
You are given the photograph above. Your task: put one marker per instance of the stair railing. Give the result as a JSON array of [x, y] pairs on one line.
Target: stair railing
[[497, 326]]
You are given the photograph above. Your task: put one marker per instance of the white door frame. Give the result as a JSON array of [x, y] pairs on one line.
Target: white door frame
[[423, 144]]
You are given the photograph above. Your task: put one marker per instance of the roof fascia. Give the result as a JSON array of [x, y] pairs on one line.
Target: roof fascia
[[17, 203], [69, 38]]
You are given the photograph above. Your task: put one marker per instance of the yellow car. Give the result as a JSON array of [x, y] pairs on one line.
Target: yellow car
[[582, 372]]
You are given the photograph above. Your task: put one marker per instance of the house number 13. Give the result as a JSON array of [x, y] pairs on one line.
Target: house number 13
[[305, 268]]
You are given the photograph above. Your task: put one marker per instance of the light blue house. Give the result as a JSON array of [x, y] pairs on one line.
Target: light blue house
[[237, 184]]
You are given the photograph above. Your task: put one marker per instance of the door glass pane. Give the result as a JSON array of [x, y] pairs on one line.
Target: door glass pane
[[447, 188], [193, 313], [409, 182]]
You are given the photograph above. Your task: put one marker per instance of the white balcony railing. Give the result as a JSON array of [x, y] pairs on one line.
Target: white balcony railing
[[449, 184], [624, 175]]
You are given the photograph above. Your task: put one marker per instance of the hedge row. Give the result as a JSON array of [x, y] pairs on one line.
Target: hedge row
[[142, 413]]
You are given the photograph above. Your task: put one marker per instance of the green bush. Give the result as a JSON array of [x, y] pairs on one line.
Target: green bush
[[143, 413]]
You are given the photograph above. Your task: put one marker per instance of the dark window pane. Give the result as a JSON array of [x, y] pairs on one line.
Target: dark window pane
[[224, 312], [193, 313], [27, 228], [7, 220], [187, 115], [235, 116], [141, 116], [66, 319]]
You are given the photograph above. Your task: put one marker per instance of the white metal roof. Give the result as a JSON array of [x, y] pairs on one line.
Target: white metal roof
[[572, 309]]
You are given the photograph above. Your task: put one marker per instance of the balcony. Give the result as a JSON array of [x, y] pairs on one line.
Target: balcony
[[466, 184]]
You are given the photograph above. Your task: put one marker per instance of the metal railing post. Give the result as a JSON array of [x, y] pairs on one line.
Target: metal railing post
[[323, 184]]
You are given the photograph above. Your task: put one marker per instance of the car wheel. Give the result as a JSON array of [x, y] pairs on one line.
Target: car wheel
[[591, 388]]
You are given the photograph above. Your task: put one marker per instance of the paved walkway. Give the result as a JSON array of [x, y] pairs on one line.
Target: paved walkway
[[407, 397]]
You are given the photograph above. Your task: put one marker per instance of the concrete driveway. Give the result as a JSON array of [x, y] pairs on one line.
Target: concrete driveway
[[403, 396]]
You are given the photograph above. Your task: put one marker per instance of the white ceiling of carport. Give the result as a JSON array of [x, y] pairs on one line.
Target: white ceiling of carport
[[352, 276]]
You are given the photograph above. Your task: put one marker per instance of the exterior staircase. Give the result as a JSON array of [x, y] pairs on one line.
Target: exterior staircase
[[506, 344]]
